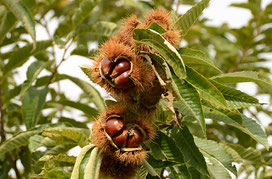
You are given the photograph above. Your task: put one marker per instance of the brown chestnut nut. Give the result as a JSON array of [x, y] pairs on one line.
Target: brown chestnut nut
[[123, 81], [121, 138], [121, 66], [106, 66], [113, 126], [134, 139]]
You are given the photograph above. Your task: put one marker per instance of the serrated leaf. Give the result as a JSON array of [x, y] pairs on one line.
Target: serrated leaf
[[32, 73], [80, 157], [7, 24], [86, 109], [206, 89], [32, 104], [34, 142], [244, 76], [16, 141], [193, 57], [249, 154], [64, 158], [150, 169], [236, 99], [257, 132], [185, 142], [87, 88], [190, 17], [21, 12], [216, 169], [189, 99], [67, 135], [247, 125], [20, 56], [86, 7], [168, 148], [216, 151], [180, 172], [155, 40]]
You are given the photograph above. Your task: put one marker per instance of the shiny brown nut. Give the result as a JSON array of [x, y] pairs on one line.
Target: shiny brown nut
[[134, 139], [121, 138], [106, 66], [113, 126], [121, 66], [123, 81]]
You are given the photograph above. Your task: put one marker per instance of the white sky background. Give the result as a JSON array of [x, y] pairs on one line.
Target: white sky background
[[218, 12]]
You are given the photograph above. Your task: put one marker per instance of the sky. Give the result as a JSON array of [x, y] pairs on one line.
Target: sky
[[218, 12]]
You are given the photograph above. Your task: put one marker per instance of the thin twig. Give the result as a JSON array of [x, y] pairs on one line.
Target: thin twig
[[177, 7], [62, 60], [3, 135], [55, 61], [14, 165]]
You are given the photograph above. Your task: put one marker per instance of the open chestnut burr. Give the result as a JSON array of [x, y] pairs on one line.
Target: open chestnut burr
[[117, 72], [122, 136]]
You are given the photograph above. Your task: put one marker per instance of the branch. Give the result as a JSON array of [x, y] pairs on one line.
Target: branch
[[2, 129]]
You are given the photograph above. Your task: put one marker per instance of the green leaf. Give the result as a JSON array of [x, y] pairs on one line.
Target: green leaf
[[236, 99], [16, 141], [207, 90], [86, 109], [168, 148], [21, 12], [69, 135], [244, 76], [58, 160], [156, 27], [216, 169], [93, 166], [35, 142], [185, 142], [180, 172], [57, 173], [20, 56], [155, 40], [190, 100], [99, 29], [257, 132], [190, 17], [193, 57], [73, 122], [90, 91], [216, 151], [32, 73], [87, 149], [248, 126], [86, 7], [249, 154], [150, 169], [32, 104], [7, 24]]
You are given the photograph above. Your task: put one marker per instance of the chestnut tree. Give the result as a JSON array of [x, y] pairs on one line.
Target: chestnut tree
[[172, 108]]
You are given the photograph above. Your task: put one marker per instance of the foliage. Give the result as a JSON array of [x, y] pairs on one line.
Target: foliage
[[36, 124]]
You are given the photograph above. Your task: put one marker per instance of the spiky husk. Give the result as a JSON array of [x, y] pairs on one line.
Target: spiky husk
[[100, 139], [111, 167], [161, 17], [142, 74]]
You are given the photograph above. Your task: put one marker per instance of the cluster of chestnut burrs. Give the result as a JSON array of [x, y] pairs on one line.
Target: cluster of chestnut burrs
[[123, 128]]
